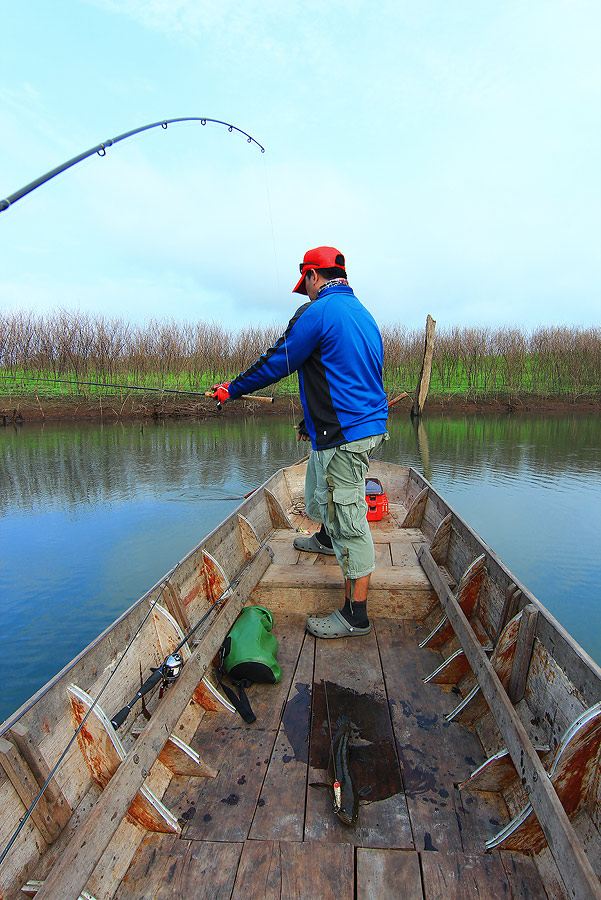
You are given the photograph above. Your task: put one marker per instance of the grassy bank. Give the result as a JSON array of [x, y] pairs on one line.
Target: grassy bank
[[504, 368]]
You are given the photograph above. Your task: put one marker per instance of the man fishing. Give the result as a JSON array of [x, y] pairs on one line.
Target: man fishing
[[335, 345]]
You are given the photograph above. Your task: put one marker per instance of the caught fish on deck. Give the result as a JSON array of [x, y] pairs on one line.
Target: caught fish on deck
[[345, 794]]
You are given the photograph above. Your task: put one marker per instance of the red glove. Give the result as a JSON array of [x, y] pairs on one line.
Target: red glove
[[221, 392]]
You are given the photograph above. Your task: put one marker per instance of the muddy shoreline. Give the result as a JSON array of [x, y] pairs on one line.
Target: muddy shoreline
[[20, 410]]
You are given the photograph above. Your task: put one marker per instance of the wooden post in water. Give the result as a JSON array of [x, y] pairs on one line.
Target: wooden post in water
[[423, 384]]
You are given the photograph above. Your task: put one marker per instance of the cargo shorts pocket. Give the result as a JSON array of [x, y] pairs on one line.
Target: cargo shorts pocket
[[321, 498], [350, 513]]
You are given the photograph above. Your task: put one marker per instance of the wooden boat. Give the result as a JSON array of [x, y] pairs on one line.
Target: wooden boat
[[478, 715]]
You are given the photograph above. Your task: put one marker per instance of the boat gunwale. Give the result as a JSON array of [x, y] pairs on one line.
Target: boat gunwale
[[551, 628]]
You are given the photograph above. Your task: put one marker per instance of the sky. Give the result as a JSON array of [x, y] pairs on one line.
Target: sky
[[449, 148]]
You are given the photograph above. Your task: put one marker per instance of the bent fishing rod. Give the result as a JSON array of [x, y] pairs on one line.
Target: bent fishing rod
[[100, 150], [138, 387]]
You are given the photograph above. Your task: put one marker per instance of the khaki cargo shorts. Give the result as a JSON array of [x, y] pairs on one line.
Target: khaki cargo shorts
[[335, 495]]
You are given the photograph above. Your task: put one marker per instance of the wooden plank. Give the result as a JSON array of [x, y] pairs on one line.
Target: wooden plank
[[68, 878], [148, 868], [523, 877], [176, 607], [510, 606], [382, 554], [166, 869], [403, 553], [348, 675], [27, 788], [456, 876], [495, 774], [384, 577], [284, 553], [567, 849], [201, 869], [433, 754], [550, 876], [440, 542], [60, 809], [474, 704], [451, 671], [280, 813], [523, 654], [314, 872], [277, 513], [222, 809], [571, 771], [250, 538], [290, 870], [278, 486], [388, 875], [416, 511], [216, 579], [404, 604], [103, 752]]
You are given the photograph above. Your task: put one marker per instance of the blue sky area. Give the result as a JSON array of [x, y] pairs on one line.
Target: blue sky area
[[450, 149]]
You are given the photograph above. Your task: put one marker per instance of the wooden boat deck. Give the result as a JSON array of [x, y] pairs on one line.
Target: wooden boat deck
[[247, 823], [258, 830]]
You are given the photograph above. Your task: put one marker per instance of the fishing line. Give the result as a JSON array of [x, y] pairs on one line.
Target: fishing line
[[279, 286], [270, 210]]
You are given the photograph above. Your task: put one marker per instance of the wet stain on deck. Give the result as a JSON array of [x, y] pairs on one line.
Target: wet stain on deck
[[372, 756], [295, 721]]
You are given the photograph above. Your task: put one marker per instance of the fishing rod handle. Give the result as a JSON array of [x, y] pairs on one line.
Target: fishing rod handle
[[246, 397], [148, 685]]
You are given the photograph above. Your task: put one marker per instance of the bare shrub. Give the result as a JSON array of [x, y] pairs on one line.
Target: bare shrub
[[474, 362]]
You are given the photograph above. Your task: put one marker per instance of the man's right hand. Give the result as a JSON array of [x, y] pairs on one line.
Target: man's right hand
[[221, 392]]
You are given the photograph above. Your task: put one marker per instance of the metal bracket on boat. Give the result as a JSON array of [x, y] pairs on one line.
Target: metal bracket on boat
[[32, 887], [473, 704], [467, 595], [570, 773], [103, 752], [548, 811], [454, 668]]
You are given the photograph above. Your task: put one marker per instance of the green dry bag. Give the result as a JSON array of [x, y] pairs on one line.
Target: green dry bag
[[249, 656]]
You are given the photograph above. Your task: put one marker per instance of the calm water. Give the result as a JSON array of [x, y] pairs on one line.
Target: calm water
[[93, 515]]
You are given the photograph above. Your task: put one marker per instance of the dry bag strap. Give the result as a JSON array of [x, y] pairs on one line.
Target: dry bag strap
[[239, 701]]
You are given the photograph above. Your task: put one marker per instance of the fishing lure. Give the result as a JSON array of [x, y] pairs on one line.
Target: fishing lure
[[345, 793]]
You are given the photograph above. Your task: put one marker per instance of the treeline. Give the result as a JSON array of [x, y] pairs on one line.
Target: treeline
[[468, 362]]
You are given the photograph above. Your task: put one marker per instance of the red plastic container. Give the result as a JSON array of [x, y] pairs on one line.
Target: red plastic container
[[376, 499]]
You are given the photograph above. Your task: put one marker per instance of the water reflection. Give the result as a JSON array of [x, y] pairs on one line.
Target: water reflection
[[91, 515]]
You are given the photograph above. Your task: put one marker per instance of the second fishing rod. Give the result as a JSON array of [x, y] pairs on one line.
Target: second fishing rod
[[136, 387]]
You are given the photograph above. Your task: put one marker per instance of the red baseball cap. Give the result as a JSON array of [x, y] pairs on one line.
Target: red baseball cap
[[318, 258]]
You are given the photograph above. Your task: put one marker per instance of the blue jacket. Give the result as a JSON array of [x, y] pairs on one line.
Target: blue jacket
[[336, 346]]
